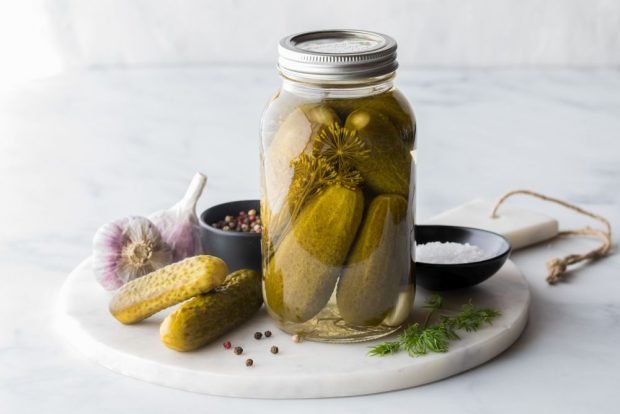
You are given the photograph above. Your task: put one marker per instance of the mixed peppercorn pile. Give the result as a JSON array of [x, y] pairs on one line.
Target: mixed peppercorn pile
[[249, 222]]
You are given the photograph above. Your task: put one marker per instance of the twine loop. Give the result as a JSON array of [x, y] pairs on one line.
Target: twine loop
[[558, 266]]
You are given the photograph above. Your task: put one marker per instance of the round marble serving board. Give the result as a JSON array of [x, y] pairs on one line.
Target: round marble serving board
[[299, 370]]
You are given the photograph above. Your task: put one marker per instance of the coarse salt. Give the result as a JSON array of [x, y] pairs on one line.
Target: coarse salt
[[449, 253]]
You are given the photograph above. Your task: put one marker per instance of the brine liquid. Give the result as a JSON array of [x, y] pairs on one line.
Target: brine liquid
[[328, 326], [337, 201]]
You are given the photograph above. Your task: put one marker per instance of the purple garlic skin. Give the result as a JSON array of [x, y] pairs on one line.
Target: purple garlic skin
[[179, 226], [126, 249], [182, 234]]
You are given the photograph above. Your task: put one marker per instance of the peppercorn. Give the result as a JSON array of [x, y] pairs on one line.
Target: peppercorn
[[258, 335], [238, 350], [249, 362], [274, 349], [227, 345], [267, 334], [243, 222]]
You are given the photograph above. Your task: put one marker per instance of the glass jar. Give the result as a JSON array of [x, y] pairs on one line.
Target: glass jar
[[338, 189]]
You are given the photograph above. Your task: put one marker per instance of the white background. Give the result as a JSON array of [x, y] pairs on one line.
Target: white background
[[43, 37]]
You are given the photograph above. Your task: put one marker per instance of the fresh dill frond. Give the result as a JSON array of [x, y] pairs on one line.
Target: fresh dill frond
[[418, 340], [386, 348], [471, 319], [433, 339]]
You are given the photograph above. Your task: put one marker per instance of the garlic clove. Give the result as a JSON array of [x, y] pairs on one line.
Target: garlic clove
[[126, 249], [178, 225]]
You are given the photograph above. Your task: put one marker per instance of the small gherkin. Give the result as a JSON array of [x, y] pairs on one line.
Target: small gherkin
[[172, 284], [204, 318]]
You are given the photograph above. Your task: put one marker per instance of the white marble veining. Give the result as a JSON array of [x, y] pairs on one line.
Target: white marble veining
[[81, 149], [305, 370]]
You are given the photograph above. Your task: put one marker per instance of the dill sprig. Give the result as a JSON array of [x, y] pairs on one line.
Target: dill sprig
[[310, 176], [419, 340], [470, 319], [385, 348]]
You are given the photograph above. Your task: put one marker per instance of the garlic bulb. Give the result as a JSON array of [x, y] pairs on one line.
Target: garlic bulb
[[126, 249], [179, 225]]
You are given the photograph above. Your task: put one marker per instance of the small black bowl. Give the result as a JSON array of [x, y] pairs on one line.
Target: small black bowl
[[434, 276], [238, 250]]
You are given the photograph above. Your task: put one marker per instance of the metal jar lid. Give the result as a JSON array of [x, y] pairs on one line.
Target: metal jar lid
[[336, 55]]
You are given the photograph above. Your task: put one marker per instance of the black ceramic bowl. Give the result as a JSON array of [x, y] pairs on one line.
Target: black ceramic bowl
[[238, 250], [456, 276]]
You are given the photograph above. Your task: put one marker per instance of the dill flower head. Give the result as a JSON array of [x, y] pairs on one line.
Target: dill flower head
[[340, 146], [348, 178]]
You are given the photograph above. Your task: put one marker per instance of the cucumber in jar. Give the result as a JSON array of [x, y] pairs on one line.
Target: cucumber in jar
[[377, 265], [301, 274], [293, 137], [393, 105], [387, 170]]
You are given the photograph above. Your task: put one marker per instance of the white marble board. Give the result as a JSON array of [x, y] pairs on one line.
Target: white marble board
[[303, 370]]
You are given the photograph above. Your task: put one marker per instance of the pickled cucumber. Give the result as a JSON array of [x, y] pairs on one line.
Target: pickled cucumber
[[294, 137], [387, 171], [301, 275], [395, 107], [391, 104], [378, 263], [203, 318], [172, 284]]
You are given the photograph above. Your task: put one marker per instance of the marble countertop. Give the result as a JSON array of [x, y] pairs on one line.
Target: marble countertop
[[83, 148]]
